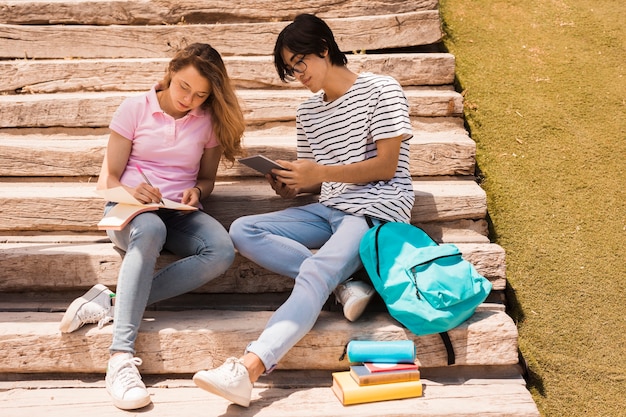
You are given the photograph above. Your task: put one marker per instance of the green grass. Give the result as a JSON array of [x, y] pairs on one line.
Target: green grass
[[545, 101]]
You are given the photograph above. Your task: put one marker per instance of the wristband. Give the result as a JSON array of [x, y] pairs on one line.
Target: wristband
[[200, 191]]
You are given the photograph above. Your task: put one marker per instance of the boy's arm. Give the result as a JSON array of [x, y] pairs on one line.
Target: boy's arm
[[307, 175]]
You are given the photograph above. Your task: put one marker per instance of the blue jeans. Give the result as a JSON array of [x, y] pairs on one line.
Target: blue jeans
[[205, 249], [281, 242]]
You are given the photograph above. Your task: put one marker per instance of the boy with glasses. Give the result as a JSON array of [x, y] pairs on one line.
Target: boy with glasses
[[353, 149]]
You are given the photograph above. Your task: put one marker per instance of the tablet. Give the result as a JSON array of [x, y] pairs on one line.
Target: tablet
[[261, 163]]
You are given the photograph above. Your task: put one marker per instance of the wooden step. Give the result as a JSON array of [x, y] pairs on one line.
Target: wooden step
[[35, 76], [73, 206], [172, 12], [453, 231], [116, 41], [88, 109], [59, 155], [174, 342], [51, 265], [471, 391], [44, 301]]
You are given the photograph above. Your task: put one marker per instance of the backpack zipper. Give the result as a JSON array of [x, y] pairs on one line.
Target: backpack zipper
[[414, 274], [417, 290]]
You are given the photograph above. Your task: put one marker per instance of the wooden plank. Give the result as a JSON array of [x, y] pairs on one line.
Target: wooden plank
[[492, 398], [432, 154], [75, 207], [95, 109], [185, 341], [285, 379], [44, 42], [151, 12], [46, 301], [506, 396], [41, 157], [138, 74], [49, 266], [455, 231]]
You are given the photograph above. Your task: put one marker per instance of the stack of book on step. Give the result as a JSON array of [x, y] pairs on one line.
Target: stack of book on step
[[379, 371]]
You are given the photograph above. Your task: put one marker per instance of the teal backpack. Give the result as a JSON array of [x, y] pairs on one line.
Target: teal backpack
[[429, 288]]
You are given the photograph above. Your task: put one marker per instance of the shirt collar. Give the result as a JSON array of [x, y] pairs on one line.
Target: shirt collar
[[153, 101], [153, 104]]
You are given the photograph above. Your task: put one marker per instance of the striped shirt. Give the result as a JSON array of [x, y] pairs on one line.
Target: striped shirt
[[344, 132]]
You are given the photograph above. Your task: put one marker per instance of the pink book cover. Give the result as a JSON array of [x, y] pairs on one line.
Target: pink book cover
[[387, 367]]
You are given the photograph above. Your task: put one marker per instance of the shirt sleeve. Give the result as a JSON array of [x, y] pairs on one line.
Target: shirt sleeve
[[303, 146], [124, 120], [391, 115]]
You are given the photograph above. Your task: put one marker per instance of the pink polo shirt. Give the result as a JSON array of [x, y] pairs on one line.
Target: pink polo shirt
[[167, 149]]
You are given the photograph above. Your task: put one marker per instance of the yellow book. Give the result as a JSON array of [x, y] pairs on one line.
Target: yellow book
[[128, 207], [349, 392]]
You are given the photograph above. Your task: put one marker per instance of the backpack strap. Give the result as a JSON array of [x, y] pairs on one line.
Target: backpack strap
[[445, 337]]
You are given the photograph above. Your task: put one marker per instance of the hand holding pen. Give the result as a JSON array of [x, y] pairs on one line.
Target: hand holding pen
[[147, 180]]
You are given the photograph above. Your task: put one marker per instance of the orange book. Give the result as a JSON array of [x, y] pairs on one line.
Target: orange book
[[128, 207], [349, 392]]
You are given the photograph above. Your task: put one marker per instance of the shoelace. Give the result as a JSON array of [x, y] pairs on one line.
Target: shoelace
[[343, 292], [233, 370], [90, 315], [104, 320], [127, 374]]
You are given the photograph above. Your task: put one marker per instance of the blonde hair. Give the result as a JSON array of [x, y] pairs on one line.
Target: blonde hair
[[228, 121]]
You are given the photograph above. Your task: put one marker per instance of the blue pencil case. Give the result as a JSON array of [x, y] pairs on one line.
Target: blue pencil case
[[391, 351]]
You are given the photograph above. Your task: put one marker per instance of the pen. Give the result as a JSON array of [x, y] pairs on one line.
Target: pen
[[146, 178]]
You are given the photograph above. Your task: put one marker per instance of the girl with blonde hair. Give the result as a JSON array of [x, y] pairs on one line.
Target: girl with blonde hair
[[177, 134]]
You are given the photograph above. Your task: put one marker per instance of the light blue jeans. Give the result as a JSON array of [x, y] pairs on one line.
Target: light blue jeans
[[205, 249], [281, 242]]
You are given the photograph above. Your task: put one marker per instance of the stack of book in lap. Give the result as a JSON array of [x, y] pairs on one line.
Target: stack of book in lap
[[380, 371]]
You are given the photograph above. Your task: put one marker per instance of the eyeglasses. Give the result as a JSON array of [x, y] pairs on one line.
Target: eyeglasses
[[299, 67]]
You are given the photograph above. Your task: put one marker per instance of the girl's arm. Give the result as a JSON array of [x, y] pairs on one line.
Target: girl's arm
[[113, 166], [206, 177]]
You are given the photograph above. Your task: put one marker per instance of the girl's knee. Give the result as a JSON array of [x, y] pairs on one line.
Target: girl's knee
[[149, 234], [218, 253], [226, 252]]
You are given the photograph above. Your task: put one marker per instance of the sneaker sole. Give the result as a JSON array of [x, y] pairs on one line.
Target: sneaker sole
[[208, 386], [66, 321], [131, 405]]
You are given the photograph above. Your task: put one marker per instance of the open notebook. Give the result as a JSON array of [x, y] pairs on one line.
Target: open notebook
[[128, 207]]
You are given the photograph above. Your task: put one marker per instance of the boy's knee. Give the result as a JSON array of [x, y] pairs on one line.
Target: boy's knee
[[239, 229]]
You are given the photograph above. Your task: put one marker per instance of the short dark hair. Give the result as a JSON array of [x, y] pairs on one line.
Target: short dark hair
[[307, 34]]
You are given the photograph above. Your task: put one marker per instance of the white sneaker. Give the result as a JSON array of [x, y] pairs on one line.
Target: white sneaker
[[354, 295], [124, 383], [95, 306], [231, 381]]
